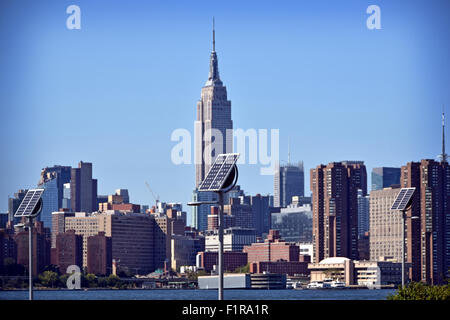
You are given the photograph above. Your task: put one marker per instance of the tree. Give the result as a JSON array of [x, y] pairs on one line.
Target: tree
[[91, 280], [113, 281], [48, 278], [421, 291]]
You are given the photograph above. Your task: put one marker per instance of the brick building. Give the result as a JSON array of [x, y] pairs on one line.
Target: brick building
[[68, 250], [99, 254]]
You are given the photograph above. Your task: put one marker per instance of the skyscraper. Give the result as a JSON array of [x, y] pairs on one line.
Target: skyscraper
[[335, 208], [428, 238], [385, 226], [213, 126], [288, 181], [213, 135], [385, 177], [363, 214], [83, 189], [52, 180]]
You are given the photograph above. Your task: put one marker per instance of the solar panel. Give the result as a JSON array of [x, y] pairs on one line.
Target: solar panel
[[29, 202], [219, 172], [403, 199]]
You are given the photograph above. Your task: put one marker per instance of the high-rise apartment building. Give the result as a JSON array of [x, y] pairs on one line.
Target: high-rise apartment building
[[428, 238], [99, 254], [69, 250], [288, 181], [335, 208], [52, 180], [385, 226], [83, 189], [385, 177]]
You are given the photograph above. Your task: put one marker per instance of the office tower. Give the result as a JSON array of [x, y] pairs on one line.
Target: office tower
[[363, 213], [385, 177], [58, 224], [261, 211], [99, 254], [69, 250], [52, 180], [41, 247], [428, 238], [213, 120], [83, 189], [213, 135], [294, 223], [385, 226], [288, 181], [242, 213], [14, 203], [335, 208]]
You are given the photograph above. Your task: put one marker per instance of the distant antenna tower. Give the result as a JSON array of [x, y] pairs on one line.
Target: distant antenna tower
[[443, 156]]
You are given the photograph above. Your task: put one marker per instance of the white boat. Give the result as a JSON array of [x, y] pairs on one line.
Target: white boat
[[315, 285], [337, 284], [327, 283]]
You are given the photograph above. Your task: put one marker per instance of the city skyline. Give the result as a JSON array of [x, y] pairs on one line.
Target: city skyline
[[133, 144]]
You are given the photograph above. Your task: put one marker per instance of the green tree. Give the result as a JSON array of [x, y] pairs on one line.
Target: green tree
[[421, 291], [91, 280], [113, 281], [49, 278]]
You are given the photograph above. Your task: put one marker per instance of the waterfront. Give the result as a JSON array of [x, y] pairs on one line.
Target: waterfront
[[168, 294]]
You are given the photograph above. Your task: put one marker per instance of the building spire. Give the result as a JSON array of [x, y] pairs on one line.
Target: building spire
[[213, 78], [214, 38], [443, 155]]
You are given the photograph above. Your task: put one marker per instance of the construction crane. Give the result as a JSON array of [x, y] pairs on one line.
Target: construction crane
[[155, 196]]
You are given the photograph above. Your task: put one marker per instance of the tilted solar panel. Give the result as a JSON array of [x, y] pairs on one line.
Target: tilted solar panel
[[219, 172], [29, 203]]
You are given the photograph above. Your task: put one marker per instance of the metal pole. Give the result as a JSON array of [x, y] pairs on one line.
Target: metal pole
[[403, 249], [30, 259], [221, 246]]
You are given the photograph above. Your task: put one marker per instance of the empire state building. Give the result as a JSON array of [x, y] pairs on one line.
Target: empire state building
[[213, 127], [213, 136]]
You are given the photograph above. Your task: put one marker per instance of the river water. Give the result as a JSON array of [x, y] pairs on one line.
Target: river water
[[169, 294]]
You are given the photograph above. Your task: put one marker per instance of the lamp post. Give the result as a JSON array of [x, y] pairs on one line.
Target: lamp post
[[221, 178]]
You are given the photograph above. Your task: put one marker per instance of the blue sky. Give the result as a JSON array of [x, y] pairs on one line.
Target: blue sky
[[113, 92]]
